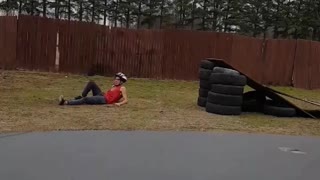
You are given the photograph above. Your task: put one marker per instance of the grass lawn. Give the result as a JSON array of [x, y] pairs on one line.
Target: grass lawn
[[29, 103]]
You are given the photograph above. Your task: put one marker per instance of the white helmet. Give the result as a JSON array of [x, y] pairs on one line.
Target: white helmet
[[122, 77]]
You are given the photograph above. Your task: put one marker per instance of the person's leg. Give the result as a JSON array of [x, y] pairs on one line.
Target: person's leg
[[75, 102], [86, 100], [95, 100], [91, 86]]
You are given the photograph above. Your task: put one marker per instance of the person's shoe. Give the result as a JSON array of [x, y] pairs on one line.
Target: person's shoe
[[61, 100], [78, 97]]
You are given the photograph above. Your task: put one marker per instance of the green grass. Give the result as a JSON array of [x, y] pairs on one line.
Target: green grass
[[29, 103]]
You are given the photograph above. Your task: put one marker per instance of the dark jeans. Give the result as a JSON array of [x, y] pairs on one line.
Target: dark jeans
[[97, 97]]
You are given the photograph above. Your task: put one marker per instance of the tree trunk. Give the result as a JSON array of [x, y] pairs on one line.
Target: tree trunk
[[32, 8], [275, 31], [204, 17], [192, 14], [81, 11], [69, 10], [296, 36], [105, 12], [139, 15], [128, 17], [149, 23], [20, 7], [44, 6], [215, 17], [161, 14], [226, 17], [57, 9], [116, 14], [93, 13]]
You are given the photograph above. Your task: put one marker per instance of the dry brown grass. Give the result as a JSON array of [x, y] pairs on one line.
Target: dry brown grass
[[29, 103]]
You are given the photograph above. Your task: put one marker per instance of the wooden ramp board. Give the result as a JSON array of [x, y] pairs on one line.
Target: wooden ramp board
[[274, 94]]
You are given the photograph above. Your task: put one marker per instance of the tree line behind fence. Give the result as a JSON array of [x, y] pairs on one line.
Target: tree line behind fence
[[297, 19]]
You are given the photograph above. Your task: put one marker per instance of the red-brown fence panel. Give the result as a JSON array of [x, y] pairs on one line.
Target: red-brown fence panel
[[77, 45], [307, 65], [223, 46], [30, 43], [183, 51], [278, 62], [247, 56], [8, 39], [36, 44]]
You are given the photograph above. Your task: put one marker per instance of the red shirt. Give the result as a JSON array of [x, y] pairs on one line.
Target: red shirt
[[113, 95]]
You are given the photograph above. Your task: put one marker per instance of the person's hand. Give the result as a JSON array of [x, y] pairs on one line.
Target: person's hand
[[117, 104]]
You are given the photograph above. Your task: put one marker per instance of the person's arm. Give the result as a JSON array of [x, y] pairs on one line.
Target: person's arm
[[124, 99]]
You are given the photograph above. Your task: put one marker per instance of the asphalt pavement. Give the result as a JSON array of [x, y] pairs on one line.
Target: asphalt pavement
[[101, 155]]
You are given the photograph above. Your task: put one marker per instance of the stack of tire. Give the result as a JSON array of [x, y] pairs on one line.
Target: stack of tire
[[256, 101], [205, 71], [226, 94]]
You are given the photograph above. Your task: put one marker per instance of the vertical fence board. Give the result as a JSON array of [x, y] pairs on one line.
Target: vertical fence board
[[278, 62], [315, 66], [302, 64], [8, 39], [247, 56]]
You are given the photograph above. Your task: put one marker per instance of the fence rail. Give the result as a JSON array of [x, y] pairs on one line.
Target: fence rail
[[37, 43]]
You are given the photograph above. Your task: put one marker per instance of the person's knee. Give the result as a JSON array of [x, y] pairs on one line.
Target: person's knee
[[91, 82]]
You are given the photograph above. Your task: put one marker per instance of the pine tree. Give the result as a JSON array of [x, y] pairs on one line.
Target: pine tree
[[231, 15], [183, 12], [313, 18], [56, 5], [32, 7], [151, 11], [251, 19], [300, 20], [9, 6], [114, 12], [215, 15]]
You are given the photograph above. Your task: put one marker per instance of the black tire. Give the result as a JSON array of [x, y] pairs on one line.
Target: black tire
[[204, 73], [253, 101], [204, 84], [202, 101], [228, 79], [259, 96], [225, 71], [279, 110], [223, 110], [223, 99], [252, 106], [203, 92], [227, 89], [205, 64]]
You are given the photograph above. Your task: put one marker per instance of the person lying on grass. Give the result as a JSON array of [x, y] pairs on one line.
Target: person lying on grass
[[117, 95]]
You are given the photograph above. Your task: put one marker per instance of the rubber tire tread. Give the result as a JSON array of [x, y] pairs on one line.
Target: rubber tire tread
[[223, 99], [204, 84], [253, 101], [223, 110], [205, 64], [203, 92], [202, 101], [225, 71], [227, 89], [278, 111], [252, 105], [228, 79], [204, 74]]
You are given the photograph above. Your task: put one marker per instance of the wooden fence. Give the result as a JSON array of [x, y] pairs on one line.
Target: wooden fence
[[8, 35], [165, 54]]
